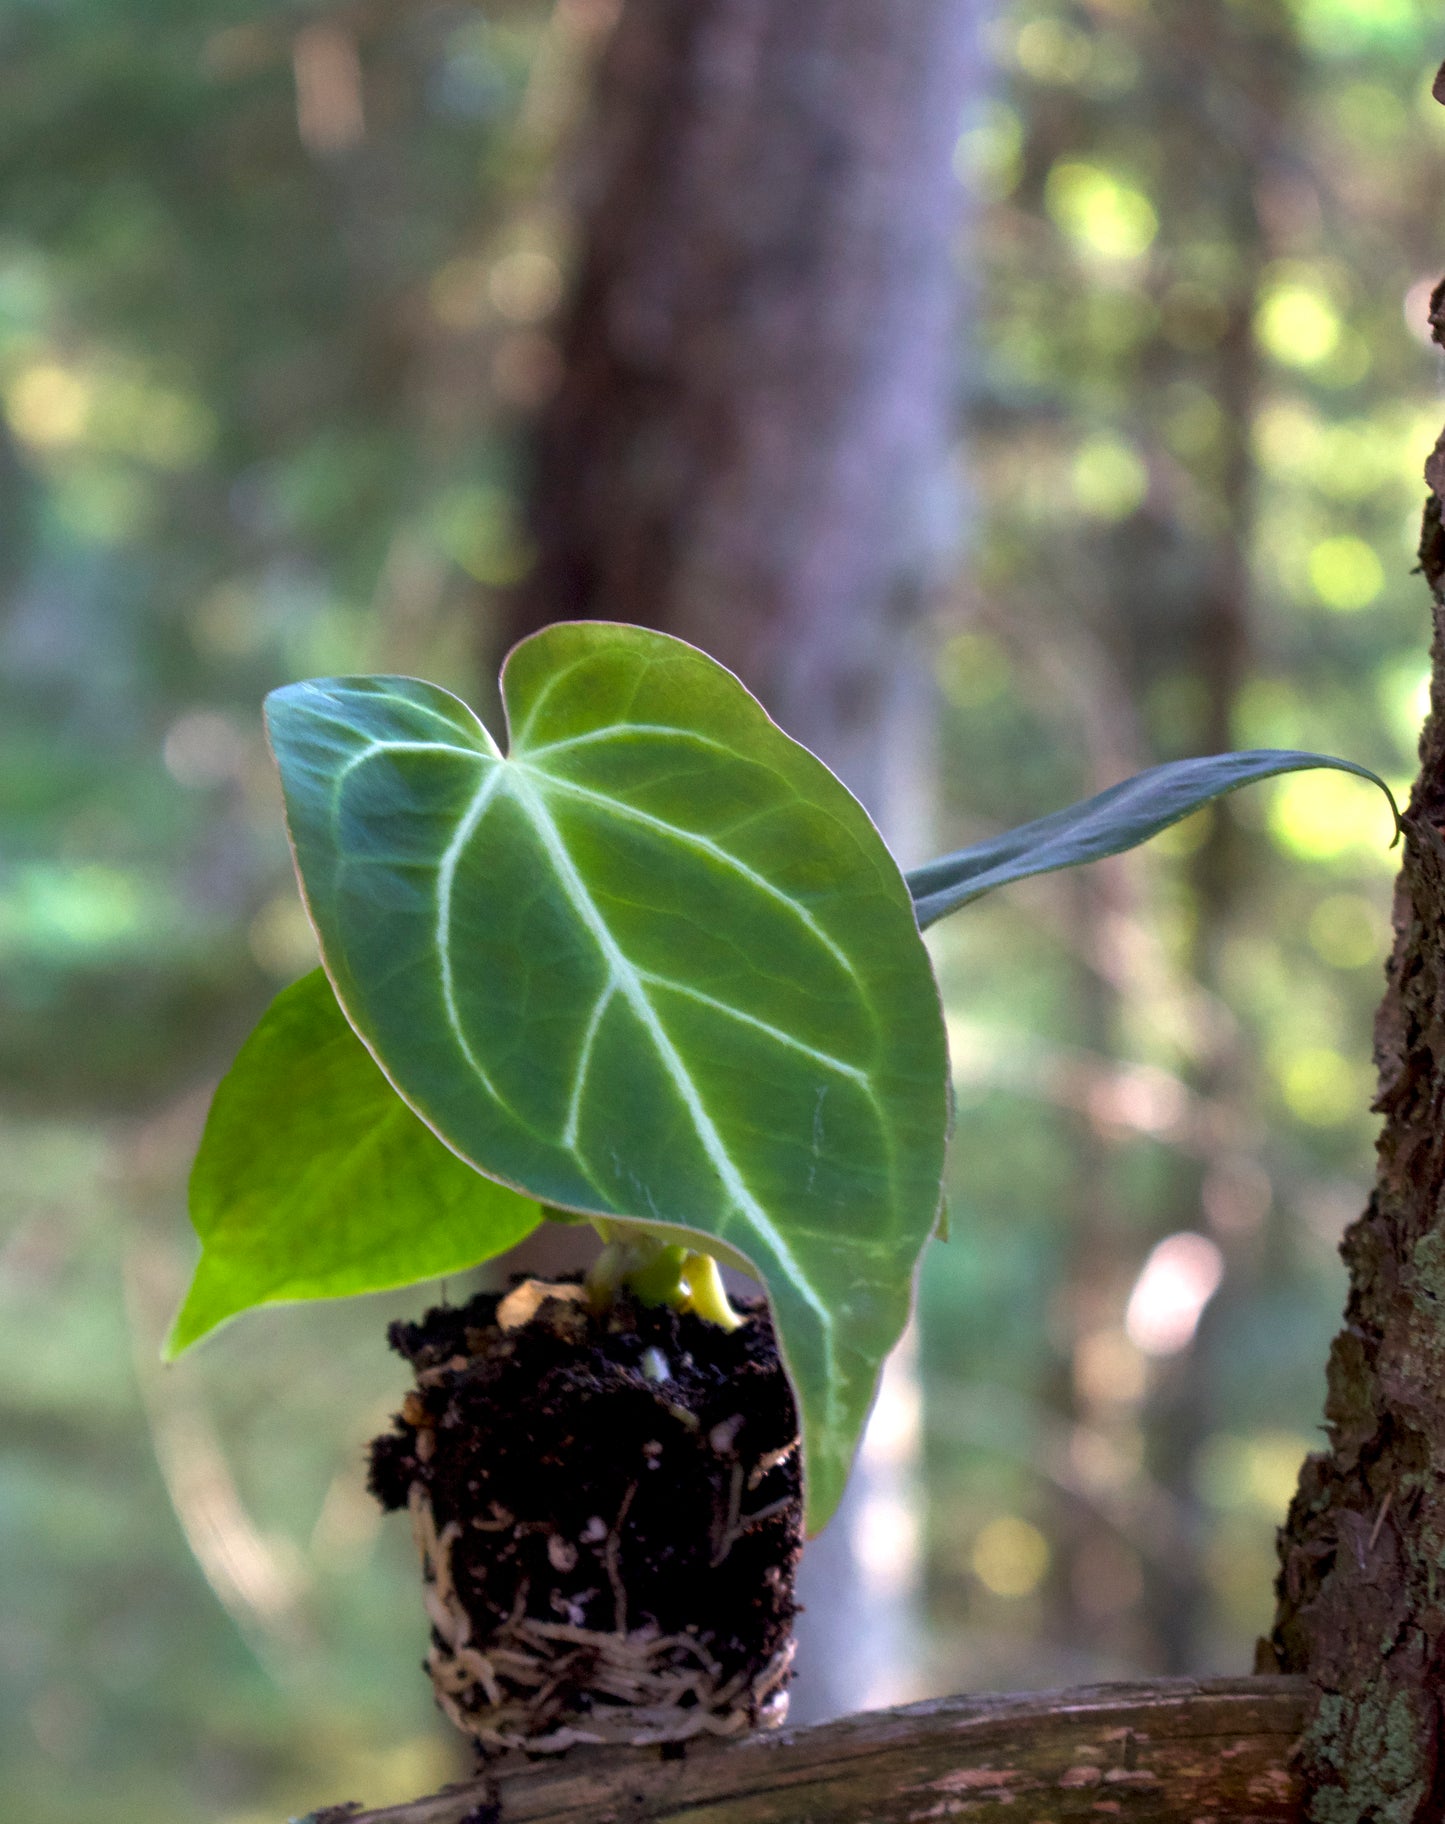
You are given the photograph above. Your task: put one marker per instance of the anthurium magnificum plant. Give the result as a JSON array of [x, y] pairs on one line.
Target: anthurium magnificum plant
[[650, 966]]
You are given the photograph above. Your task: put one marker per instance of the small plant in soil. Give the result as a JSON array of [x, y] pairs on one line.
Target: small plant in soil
[[650, 967]]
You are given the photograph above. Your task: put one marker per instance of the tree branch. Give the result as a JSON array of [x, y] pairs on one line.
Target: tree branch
[[1177, 1751]]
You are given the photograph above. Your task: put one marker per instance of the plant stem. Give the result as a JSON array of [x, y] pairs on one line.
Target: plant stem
[[658, 1273], [658, 1280]]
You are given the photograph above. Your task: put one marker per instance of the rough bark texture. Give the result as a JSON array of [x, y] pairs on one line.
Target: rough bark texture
[[1176, 1752], [1362, 1579]]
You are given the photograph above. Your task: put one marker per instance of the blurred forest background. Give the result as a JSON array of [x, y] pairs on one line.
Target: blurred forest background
[[276, 287]]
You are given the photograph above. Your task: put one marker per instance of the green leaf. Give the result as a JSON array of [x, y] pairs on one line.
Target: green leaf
[[654, 965], [315, 1180], [1117, 819]]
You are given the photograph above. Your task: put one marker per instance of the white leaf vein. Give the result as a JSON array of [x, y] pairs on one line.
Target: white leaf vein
[[584, 1061], [633, 990], [622, 732], [777, 1033], [694, 839], [446, 879], [459, 721], [403, 747]]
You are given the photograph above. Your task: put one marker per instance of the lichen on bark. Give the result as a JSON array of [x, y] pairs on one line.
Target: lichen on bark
[[1361, 1589]]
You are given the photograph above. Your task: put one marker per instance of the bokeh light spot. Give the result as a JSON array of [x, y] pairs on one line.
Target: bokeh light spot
[[458, 294], [1297, 326], [281, 938], [1181, 1275], [988, 155], [1321, 816], [1109, 477], [525, 286], [1255, 1473], [1319, 1087], [1053, 51], [1100, 213], [203, 749], [1345, 573], [1404, 694], [1010, 1557], [48, 405]]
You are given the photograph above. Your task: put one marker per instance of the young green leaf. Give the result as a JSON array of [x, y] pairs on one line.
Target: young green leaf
[[654, 964], [1114, 820], [315, 1180]]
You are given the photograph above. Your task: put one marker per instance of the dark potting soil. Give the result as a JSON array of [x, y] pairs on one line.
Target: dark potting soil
[[616, 1472]]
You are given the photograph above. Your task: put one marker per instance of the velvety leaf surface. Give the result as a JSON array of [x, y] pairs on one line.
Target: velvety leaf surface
[[654, 964], [315, 1180], [1114, 820]]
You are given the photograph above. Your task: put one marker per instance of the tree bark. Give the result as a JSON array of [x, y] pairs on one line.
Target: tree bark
[[1176, 1752], [1361, 1590]]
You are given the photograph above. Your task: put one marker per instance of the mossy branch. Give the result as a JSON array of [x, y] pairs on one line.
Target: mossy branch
[[1173, 1752]]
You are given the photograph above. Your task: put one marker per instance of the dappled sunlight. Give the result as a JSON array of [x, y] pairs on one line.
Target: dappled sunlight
[[280, 298]]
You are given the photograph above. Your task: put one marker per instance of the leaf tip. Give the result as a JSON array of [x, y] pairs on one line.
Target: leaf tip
[[178, 1339], [199, 1314]]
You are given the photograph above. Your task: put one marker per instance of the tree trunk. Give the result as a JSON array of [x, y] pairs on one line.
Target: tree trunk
[[748, 442], [1361, 1590], [748, 449]]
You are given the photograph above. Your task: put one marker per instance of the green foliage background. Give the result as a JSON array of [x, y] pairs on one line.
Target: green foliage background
[[263, 356]]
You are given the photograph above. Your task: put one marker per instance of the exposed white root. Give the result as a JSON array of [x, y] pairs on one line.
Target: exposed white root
[[636, 1686]]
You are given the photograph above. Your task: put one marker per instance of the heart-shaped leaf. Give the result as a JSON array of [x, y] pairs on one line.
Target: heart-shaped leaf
[[1114, 820], [315, 1180], [655, 964]]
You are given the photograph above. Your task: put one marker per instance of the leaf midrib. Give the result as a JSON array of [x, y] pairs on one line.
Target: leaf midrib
[[624, 979], [694, 839]]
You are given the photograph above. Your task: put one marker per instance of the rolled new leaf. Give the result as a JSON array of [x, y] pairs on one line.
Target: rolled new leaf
[[315, 1180], [654, 964], [1114, 820]]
